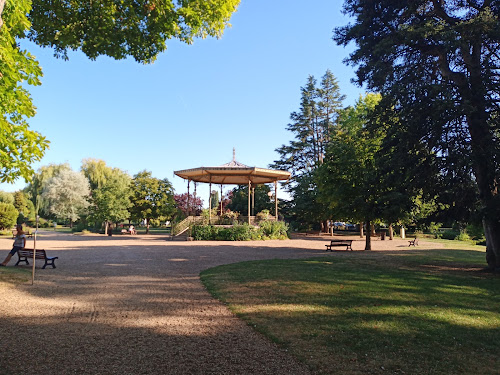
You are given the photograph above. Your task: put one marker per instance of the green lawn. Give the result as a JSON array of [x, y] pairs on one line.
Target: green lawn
[[418, 312], [14, 275]]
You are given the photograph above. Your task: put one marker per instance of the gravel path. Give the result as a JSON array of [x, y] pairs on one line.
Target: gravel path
[[135, 305]]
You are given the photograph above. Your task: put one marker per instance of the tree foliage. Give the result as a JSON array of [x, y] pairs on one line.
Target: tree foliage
[[8, 215], [194, 207], [121, 28], [67, 195], [312, 127], [110, 191], [6, 197], [116, 28], [239, 199], [437, 64], [19, 146], [38, 183], [151, 198], [349, 179]]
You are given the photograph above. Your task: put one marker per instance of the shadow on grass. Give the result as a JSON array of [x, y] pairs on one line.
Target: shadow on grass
[[371, 314]]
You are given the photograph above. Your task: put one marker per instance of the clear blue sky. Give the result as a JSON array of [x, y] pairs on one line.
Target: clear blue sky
[[196, 102]]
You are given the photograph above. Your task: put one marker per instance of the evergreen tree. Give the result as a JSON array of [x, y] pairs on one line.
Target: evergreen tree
[[436, 63], [312, 127]]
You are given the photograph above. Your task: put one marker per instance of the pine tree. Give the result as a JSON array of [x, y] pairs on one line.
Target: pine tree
[[312, 127]]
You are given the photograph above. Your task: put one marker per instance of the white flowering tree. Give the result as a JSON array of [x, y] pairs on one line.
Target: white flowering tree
[[67, 195]]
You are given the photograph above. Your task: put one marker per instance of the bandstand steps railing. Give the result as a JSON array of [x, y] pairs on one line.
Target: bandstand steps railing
[[184, 225]]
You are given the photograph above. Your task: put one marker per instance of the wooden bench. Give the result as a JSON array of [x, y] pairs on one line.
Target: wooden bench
[[413, 242], [333, 243], [25, 254]]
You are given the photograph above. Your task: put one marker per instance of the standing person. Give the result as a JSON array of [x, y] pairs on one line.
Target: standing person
[[19, 243]]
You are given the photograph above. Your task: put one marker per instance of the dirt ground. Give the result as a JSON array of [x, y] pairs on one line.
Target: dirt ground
[[135, 305]]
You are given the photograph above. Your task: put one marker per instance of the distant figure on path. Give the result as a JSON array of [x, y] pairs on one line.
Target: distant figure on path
[[19, 243]]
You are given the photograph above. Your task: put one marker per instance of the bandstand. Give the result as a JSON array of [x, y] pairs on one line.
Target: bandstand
[[236, 173]]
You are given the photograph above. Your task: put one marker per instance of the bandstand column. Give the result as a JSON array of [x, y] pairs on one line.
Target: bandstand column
[[276, 199], [249, 188], [210, 202]]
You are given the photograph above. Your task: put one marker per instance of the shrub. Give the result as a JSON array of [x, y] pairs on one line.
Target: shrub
[[463, 236], [204, 232], [476, 231], [230, 217], [79, 227], [42, 223], [274, 229], [263, 215], [433, 229], [240, 232], [449, 234]]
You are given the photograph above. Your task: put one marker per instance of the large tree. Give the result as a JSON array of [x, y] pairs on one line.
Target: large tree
[[348, 180], [311, 127], [19, 146], [38, 183], [121, 28], [116, 28], [110, 192], [67, 195], [437, 63], [151, 198]]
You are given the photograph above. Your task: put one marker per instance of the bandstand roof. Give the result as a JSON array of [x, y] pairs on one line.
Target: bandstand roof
[[233, 173]]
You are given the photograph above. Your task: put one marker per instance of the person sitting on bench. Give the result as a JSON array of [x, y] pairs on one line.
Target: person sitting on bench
[[19, 243]]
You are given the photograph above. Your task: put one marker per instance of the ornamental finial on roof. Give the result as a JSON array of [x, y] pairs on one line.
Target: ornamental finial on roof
[[234, 154]]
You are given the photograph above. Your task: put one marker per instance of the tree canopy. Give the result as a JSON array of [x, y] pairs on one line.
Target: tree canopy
[[437, 64], [19, 146], [110, 192], [349, 179], [115, 28], [312, 127], [121, 28], [67, 195], [151, 198]]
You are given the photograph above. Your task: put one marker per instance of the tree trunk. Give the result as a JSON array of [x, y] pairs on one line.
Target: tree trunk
[[325, 226], [492, 234], [361, 230], [391, 232], [368, 243], [484, 156]]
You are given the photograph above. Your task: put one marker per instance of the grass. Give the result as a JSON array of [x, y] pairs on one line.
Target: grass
[[418, 312], [14, 275]]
